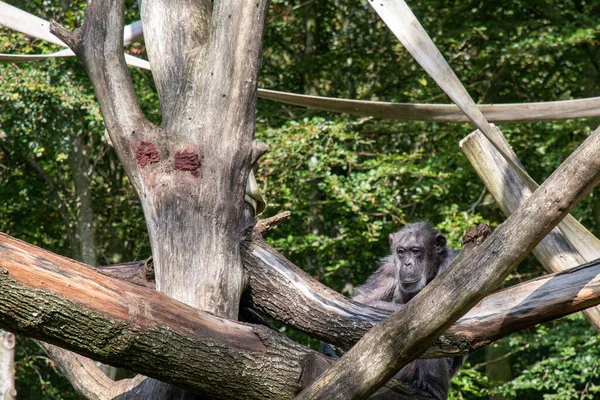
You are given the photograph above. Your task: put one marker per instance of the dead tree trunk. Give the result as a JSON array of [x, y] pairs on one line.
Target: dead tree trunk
[[408, 332], [190, 172]]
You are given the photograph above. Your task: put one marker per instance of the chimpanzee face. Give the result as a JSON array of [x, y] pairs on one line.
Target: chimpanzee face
[[416, 251]]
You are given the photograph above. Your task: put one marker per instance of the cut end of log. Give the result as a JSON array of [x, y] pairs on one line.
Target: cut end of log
[[467, 138]]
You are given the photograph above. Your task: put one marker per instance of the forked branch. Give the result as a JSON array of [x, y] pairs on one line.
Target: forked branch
[[385, 349], [99, 45]]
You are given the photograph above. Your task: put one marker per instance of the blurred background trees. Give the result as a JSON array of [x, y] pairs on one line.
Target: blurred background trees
[[348, 181]]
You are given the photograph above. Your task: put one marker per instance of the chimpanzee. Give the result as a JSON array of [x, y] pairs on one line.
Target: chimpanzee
[[419, 254]]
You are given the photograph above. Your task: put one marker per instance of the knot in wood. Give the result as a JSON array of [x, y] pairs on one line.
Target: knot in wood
[[477, 234]]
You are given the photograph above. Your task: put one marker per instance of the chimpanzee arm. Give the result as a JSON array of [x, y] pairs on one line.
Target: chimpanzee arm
[[380, 286], [433, 376]]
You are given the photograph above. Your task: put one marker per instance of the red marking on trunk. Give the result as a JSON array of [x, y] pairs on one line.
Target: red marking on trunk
[[187, 161], [146, 153]]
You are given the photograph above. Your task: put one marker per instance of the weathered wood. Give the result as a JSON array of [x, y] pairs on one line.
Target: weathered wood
[[583, 240], [89, 381], [176, 54], [555, 252], [408, 332], [56, 299], [190, 173], [68, 304], [282, 290], [398, 16], [518, 112]]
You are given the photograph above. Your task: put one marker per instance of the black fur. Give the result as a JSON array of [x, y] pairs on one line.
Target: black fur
[[419, 254]]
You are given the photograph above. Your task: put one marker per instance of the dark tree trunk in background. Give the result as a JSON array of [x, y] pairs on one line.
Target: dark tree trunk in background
[[79, 161]]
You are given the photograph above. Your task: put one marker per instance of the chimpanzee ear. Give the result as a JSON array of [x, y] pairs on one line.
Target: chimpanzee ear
[[440, 242], [391, 239]]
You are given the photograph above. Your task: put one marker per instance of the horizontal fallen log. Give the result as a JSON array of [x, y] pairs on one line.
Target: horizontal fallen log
[[68, 304], [282, 290]]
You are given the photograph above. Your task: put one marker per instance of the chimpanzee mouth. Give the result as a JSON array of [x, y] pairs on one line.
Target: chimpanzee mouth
[[409, 282]]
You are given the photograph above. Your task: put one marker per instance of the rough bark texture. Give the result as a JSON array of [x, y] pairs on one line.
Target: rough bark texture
[[280, 289], [52, 298], [7, 366], [407, 333], [66, 303], [190, 173], [510, 189]]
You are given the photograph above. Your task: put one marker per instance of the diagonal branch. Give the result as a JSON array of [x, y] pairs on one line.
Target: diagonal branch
[[557, 251], [99, 45], [88, 380], [408, 332], [282, 290]]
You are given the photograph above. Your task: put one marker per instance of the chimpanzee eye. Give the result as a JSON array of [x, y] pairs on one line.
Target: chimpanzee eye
[[416, 250], [400, 250]]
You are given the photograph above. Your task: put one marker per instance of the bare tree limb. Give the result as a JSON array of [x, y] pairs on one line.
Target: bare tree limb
[[410, 331], [88, 380], [99, 45], [282, 290], [52, 298], [510, 189]]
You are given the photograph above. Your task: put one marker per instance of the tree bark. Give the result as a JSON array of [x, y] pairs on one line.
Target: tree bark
[[190, 173], [408, 332], [66, 303], [510, 189], [7, 366], [280, 289]]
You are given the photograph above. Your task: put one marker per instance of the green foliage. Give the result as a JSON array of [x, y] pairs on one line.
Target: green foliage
[[348, 181], [37, 376]]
